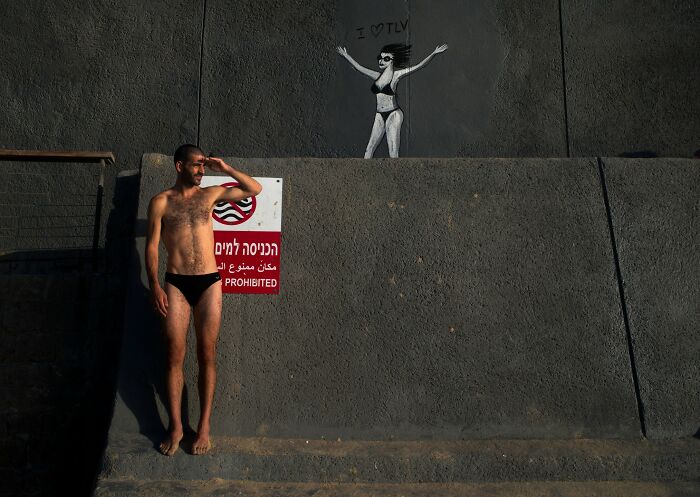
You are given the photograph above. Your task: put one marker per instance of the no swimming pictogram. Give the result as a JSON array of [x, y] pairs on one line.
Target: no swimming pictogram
[[233, 213]]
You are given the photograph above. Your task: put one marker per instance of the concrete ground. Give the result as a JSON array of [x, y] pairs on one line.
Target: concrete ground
[[217, 487]]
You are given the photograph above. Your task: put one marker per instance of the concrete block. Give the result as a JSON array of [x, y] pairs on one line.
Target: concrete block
[[37, 423], [632, 77], [150, 488], [419, 298], [246, 109], [59, 317], [13, 481], [18, 287], [303, 460], [497, 91], [41, 451], [103, 68], [13, 452], [655, 211], [27, 398], [29, 347], [20, 375], [19, 317], [66, 287]]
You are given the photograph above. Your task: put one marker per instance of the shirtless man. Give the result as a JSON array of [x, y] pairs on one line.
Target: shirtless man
[[182, 216]]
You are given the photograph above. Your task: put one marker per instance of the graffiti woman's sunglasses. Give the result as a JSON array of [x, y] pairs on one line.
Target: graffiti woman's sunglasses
[[385, 59]]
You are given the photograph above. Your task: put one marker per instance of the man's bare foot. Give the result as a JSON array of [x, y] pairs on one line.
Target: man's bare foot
[[202, 444], [170, 445]]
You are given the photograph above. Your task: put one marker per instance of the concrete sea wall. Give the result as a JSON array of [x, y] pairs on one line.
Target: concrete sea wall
[[450, 299], [536, 78]]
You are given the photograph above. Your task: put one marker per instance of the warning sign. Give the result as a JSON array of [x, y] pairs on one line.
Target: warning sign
[[247, 238], [231, 214]]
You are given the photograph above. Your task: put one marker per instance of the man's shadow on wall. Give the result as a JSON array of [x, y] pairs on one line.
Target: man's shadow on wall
[[142, 365]]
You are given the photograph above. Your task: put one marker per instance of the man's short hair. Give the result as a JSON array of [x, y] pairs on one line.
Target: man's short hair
[[184, 152]]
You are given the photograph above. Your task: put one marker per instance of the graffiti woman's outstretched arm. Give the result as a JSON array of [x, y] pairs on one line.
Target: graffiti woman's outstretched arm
[[403, 72], [367, 72]]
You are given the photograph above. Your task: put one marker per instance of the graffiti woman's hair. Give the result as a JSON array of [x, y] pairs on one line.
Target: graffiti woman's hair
[[401, 53]]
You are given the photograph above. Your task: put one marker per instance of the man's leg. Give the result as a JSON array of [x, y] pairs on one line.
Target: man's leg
[[207, 318], [176, 323]]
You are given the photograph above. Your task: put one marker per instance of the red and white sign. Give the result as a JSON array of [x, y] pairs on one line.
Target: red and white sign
[[248, 238]]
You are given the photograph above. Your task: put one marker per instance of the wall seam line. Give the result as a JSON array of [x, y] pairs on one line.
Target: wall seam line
[[623, 301], [563, 78], [201, 65], [408, 86]]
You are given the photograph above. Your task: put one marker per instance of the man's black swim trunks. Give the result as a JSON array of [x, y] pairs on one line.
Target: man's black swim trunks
[[192, 286]]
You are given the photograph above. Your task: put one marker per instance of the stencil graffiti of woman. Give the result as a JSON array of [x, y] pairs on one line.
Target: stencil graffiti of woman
[[393, 63]]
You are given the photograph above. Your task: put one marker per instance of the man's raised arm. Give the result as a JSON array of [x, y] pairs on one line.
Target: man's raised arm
[[156, 209], [247, 186]]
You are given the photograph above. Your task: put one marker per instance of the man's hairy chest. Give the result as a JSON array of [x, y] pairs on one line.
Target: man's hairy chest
[[186, 213]]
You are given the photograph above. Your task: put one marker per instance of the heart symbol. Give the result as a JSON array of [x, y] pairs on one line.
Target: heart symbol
[[377, 29]]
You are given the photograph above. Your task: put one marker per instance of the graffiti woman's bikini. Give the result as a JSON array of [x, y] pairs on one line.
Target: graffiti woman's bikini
[[386, 91]]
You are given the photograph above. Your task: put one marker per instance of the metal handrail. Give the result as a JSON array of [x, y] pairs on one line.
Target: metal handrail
[[56, 156], [101, 158]]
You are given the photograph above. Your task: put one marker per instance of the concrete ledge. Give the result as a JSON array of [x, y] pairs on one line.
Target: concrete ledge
[[217, 487], [448, 299], [631, 80], [300, 460], [655, 211]]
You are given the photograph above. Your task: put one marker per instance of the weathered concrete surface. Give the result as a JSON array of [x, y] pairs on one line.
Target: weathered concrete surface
[[48, 219], [217, 487], [632, 76], [273, 84], [655, 211], [48, 207], [111, 75], [59, 334], [61, 323], [415, 461], [266, 78], [419, 298], [129, 488], [497, 91]]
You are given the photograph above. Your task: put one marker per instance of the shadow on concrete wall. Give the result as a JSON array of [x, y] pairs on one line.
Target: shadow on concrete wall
[[141, 383], [639, 154], [61, 332]]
